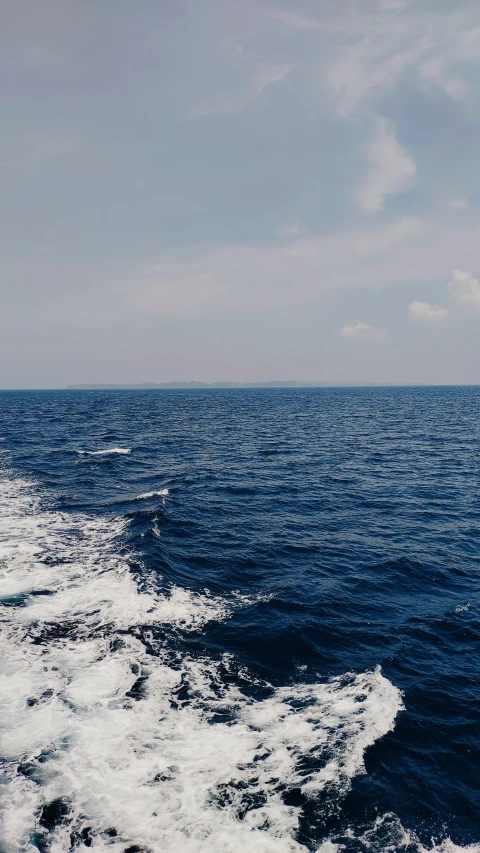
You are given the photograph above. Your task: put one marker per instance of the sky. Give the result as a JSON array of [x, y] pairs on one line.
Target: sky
[[239, 190]]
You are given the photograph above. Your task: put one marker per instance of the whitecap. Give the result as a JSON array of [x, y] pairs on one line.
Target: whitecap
[[388, 834], [111, 450], [162, 493]]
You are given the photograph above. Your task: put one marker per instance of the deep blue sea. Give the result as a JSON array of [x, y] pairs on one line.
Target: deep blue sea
[[240, 620]]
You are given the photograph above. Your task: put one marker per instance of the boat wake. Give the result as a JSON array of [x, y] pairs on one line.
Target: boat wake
[[114, 737]]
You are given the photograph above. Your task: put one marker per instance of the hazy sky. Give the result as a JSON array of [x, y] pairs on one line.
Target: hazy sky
[[236, 190]]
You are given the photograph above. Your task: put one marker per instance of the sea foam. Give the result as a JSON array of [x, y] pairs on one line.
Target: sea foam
[[162, 493], [112, 735], [109, 451]]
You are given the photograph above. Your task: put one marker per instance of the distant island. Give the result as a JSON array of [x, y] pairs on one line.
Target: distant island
[[200, 385]]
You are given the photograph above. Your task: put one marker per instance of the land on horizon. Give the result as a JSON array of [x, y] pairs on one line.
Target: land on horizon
[[197, 385], [273, 384]]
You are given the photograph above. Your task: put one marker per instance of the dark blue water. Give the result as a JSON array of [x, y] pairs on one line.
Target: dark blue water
[[332, 531]]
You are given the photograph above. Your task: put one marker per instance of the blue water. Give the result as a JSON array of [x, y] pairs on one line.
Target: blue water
[[307, 538]]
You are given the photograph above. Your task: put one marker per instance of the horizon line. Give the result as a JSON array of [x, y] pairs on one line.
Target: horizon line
[[201, 385]]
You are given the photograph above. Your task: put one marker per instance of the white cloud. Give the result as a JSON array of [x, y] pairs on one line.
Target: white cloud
[[424, 312], [234, 103], [372, 53], [293, 270], [371, 57], [464, 288], [391, 170], [382, 239], [211, 279], [435, 72], [362, 331], [294, 20], [391, 5]]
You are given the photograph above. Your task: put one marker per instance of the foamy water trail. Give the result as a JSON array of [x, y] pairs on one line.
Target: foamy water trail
[[112, 736]]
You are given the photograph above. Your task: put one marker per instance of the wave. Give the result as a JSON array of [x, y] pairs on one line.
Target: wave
[[112, 450], [388, 834], [162, 493], [112, 736]]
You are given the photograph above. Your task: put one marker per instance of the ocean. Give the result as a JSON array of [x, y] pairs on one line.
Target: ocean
[[240, 620]]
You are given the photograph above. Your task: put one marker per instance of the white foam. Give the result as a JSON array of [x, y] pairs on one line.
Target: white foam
[[87, 581], [111, 450], [161, 494], [387, 835], [134, 740]]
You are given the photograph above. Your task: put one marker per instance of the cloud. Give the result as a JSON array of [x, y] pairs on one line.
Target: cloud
[[294, 20], [217, 278], [266, 76], [295, 270], [436, 73], [362, 331], [375, 53], [391, 5], [464, 288], [399, 231], [371, 58], [391, 170], [424, 312]]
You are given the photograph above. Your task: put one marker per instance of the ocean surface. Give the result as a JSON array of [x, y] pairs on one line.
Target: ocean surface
[[240, 621]]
